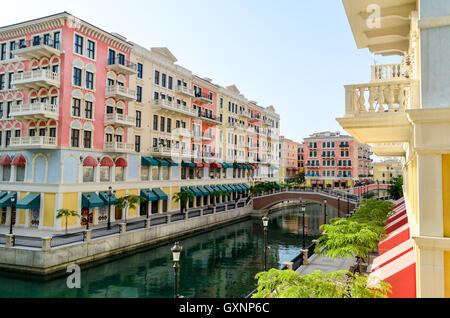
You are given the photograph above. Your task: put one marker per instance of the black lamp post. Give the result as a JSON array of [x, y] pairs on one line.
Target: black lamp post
[[339, 207], [88, 211], [13, 201], [109, 207], [325, 210], [265, 220], [303, 232], [176, 251]]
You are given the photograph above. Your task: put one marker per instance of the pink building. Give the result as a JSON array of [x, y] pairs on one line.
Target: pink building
[[333, 160]]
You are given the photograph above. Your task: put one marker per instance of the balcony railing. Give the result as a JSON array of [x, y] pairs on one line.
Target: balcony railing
[[33, 142], [170, 106], [379, 97], [36, 79], [120, 92], [120, 120], [114, 146], [35, 110], [122, 66], [181, 89], [390, 72], [202, 98], [37, 48]]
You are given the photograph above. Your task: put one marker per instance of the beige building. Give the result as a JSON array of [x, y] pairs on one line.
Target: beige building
[[384, 171]]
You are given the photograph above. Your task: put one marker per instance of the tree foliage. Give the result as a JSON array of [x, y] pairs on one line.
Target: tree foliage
[[342, 284], [265, 187], [395, 189], [374, 212], [66, 214], [184, 196]]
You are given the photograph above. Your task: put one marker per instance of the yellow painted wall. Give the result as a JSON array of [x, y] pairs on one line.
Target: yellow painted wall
[[175, 205], [70, 202], [49, 209], [446, 193], [133, 212], [21, 213], [121, 193]]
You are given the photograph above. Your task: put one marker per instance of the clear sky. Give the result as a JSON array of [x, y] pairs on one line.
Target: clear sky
[[293, 54]]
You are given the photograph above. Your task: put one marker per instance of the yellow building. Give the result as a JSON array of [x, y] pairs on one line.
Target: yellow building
[[385, 171], [405, 112]]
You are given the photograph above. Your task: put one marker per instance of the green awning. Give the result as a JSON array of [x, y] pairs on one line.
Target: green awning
[[149, 195], [94, 202], [211, 189], [31, 201], [105, 197], [204, 190], [2, 194], [229, 188], [196, 191], [6, 200], [226, 165], [171, 162], [149, 161], [160, 194], [246, 186], [240, 187], [187, 164], [236, 166], [162, 162]]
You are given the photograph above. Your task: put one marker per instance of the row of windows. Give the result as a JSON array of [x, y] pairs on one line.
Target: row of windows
[[89, 79], [87, 49]]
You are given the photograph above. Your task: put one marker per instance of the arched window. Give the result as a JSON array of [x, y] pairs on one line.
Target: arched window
[[5, 164], [121, 164], [19, 162], [89, 164], [105, 169]]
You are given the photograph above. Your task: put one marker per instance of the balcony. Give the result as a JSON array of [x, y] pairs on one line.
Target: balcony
[[35, 111], [201, 98], [181, 132], [122, 67], [36, 79], [210, 119], [120, 93], [36, 49], [120, 147], [115, 119], [43, 142], [164, 151], [389, 149], [183, 90], [173, 108], [376, 112], [254, 119], [390, 72]]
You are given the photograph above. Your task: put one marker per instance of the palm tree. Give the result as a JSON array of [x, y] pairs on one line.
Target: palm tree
[[220, 193], [129, 201], [66, 213], [184, 196]]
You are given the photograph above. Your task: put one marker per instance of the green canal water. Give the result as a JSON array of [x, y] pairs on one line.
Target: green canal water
[[221, 263]]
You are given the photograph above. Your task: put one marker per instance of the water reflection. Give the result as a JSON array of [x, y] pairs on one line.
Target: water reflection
[[219, 263]]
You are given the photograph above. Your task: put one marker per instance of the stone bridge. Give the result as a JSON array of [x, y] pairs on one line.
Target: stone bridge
[[262, 202]]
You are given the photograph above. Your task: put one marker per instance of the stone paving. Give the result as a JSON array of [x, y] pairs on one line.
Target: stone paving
[[326, 265]]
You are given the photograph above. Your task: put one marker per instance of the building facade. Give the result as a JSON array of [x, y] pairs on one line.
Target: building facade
[[289, 157], [404, 112], [333, 160], [83, 109], [385, 171]]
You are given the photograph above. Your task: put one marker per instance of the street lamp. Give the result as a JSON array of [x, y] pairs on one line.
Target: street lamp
[[13, 201], [265, 220], [325, 210], [88, 211], [303, 233], [176, 251], [109, 207]]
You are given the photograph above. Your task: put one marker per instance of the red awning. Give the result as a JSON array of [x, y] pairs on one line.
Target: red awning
[[205, 164], [215, 165], [313, 182], [106, 162], [392, 254], [19, 160], [398, 223], [394, 239], [121, 163], [198, 165], [5, 160], [401, 274], [89, 162]]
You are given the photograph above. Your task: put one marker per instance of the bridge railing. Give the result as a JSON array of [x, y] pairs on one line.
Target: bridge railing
[[333, 193]]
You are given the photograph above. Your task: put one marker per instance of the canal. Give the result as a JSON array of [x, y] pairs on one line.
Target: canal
[[221, 263]]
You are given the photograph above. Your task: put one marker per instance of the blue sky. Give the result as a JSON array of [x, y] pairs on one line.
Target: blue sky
[[293, 54]]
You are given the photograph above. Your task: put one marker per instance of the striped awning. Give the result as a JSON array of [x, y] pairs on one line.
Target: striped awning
[[149, 195], [94, 202], [105, 196], [196, 191], [31, 201], [160, 194], [204, 190], [6, 200]]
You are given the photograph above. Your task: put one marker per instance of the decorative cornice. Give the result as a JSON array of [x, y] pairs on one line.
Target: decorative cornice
[[429, 23]]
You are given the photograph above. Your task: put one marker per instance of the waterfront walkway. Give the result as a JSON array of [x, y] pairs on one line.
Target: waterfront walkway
[[326, 265]]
